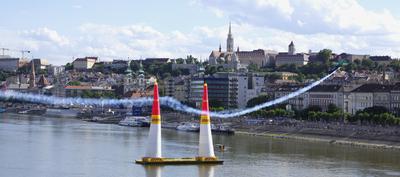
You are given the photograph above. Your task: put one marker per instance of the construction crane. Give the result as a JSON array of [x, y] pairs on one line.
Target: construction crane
[[24, 51], [3, 49]]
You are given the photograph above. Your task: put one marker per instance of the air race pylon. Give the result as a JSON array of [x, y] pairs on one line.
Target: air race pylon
[[153, 150], [206, 148]]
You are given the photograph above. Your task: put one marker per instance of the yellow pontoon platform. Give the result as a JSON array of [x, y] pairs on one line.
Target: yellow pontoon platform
[[179, 161]]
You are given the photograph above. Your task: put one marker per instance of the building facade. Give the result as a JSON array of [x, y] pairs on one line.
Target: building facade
[[77, 91], [228, 59], [278, 91], [82, 64], [250, 85], [196, 91], [55, 70], [8, 63], [324, 95], [290, 57]]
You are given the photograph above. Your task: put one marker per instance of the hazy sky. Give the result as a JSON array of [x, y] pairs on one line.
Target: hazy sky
[[60, 30]]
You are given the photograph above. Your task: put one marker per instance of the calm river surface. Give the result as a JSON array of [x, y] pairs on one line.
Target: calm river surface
[[53, 147]]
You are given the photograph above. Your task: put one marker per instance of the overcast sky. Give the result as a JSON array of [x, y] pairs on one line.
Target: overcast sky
[[60, 30]]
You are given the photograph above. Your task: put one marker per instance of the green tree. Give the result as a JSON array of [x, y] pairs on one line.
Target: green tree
[[69, 66], [191, 59], [179, 61], [74, 83], [258, 100], [135, 66], [376, 110], [395, 65], [324, 55], [332, 108], [5, 74], [252, 67], [272, 77], [210, 70], [350, 67], [368, 64]]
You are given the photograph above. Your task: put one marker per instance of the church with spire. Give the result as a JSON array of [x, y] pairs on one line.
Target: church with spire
[[228, 59], [136, 84], [239, 60]]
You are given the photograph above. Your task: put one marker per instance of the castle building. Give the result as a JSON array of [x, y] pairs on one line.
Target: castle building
[[240, 59], [291, 57], [228, 59], [229, 40]]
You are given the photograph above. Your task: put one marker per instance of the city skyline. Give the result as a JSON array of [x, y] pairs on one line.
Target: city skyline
[[179, 28]]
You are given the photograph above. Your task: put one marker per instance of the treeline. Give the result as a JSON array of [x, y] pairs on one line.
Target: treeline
[[97, 94], [377, 115], [315, 113], [269, 112], [5, 74]]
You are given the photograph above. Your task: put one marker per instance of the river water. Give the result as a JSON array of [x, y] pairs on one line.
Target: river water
[[52, 147]]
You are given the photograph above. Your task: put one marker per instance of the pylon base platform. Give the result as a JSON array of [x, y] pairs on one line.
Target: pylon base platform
[[179, 161]]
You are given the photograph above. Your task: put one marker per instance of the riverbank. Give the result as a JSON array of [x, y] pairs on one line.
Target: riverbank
[[333, 133], [282, 132], [374, 144]]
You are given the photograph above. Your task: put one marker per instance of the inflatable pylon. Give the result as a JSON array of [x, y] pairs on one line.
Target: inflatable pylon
[[154, 140], [206, 148]]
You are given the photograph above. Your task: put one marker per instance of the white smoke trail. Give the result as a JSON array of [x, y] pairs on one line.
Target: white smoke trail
[[167, 101], [234, 113]]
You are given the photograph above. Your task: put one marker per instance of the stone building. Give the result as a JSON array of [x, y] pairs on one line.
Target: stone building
[[369, 95], [278, 91], [324, 95], [8, 63], [77, 91], [395, 99], [291, 57], [82, 64], [228, 59], [177, 87]]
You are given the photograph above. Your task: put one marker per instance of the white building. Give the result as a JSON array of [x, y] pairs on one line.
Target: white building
[[249, 86], [55, 70], [84, 63], [196, 91], [324, 95], [369, 95], [277, 91]]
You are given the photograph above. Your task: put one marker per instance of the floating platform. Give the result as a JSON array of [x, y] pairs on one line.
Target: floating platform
[[179, 161]]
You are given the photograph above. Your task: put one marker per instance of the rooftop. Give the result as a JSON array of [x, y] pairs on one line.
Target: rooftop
[[373, 88], [326, 88]]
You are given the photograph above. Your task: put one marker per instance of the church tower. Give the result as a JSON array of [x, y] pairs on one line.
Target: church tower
[[128, 79], [229, 40], [291, 49], [141, 78]]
